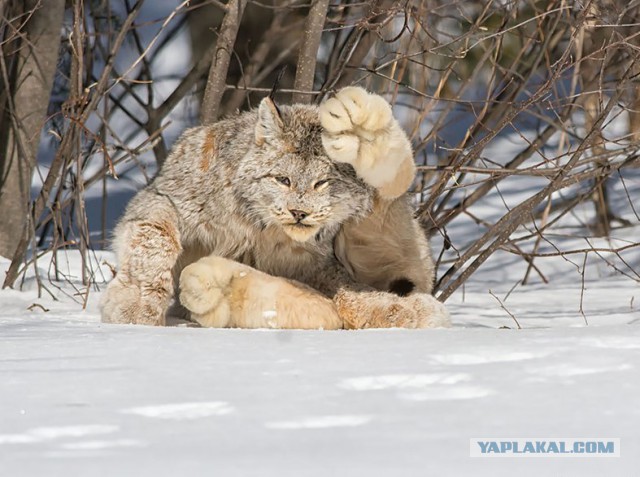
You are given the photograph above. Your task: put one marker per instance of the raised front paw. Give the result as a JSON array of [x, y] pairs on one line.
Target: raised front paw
[[351, 118], [355, 110], [359, 129]]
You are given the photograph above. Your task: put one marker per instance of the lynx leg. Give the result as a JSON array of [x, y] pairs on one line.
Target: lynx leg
[[224, 293], [147, 250], [387, 247], [374, 309]]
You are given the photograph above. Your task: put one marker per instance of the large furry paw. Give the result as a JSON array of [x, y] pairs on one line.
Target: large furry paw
[[349, 119], [124, 303], [359, 129], [202, 286], [354, 110], [385, 310]]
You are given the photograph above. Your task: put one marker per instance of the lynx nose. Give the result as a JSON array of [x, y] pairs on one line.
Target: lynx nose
[[298, 215]]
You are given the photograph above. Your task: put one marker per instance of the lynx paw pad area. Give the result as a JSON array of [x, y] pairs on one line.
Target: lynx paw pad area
[[201, 288], [355, 110], [359, 129]]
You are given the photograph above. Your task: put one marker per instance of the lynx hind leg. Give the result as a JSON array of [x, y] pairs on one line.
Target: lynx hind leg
[[388, 249], [223, 293], [373, 309], [359, 129], [147, 251]]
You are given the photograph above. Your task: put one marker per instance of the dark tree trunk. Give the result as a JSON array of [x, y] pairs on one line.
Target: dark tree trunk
[[27, 71]]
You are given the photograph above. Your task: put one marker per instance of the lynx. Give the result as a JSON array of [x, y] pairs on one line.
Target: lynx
[[284, 217]]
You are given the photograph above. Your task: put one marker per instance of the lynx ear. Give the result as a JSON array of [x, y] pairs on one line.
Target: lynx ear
[[270, 122]]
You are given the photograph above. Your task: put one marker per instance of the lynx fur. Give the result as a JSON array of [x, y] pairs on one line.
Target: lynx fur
[[282, 217]]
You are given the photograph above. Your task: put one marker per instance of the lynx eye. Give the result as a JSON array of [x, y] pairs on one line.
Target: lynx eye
[[320, 183], [283, 180]]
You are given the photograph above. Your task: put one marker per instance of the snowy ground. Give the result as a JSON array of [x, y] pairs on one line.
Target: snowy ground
[[78, 398], [81, 398]]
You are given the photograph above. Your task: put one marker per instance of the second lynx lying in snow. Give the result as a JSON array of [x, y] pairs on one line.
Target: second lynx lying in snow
[[300, 216]]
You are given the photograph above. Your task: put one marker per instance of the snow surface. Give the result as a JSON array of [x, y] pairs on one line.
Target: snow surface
[[78, 398], [81, 398]]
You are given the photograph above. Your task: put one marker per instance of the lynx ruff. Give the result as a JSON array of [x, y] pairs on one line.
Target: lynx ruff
[[281, 217]]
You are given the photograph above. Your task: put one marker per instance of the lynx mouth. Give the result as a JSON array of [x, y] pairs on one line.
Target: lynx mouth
[[300, 232], [301, 225]]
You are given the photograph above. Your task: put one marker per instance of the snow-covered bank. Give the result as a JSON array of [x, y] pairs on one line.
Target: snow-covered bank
[[81, 398]]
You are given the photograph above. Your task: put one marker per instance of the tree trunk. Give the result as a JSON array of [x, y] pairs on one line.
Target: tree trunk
[[305, 72], [220, 64], [593, 66], [26, 78]]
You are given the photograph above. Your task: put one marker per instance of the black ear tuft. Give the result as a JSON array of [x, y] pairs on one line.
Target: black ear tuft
[[274, 89], [401, 286], [276, 83]]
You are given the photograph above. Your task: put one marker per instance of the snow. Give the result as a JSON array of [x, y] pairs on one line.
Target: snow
[[81, 398]]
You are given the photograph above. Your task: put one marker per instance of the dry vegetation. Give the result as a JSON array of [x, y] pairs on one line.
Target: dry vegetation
[[556, 73]]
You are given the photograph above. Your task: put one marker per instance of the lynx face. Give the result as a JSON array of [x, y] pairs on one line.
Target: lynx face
[[292, 183]]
